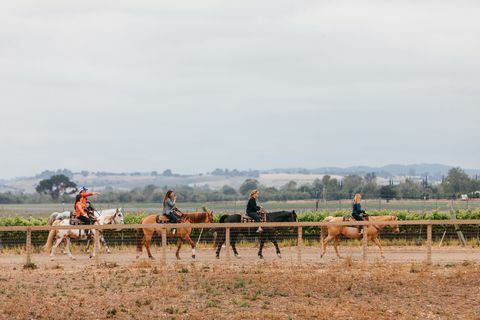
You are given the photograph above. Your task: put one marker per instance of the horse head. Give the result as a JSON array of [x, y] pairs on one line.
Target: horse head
[[209, 216], [394, 226]]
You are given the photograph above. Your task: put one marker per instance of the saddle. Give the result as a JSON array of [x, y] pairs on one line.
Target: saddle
[[161, 218], [73, 219], [247, 219]]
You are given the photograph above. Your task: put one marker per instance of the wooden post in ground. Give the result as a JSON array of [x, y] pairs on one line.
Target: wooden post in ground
[[460, 235], [29, 246], [227, 243], [322, 237], [299, 244], [365, 242], [164, 246], [429, 244], [96, 246]]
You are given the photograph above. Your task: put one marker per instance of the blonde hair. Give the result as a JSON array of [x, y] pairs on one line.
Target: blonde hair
[[357, 198], [253, 192]]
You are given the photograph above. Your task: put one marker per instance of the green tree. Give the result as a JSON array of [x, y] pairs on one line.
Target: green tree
[[457, 182], [56, 186], [227, 190], [248, 185], [388, 192]]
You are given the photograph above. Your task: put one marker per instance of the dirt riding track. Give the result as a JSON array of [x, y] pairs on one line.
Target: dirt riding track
[[121, 287], [248, 256]]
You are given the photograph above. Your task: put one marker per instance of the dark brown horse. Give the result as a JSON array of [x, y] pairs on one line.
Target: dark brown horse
[[183, 234]]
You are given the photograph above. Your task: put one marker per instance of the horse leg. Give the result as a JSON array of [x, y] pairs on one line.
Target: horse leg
[[148, 240], [55, 245], [67, 248], [192, 244], [324, 245], [377, 242], [335, 246], [234, 248], [219, 247], [179, 245], [94, 244], [87, 248], [277, 248], [262, 243], [104, 243]]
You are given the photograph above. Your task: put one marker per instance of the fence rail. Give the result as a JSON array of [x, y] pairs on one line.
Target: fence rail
[[299, 226]]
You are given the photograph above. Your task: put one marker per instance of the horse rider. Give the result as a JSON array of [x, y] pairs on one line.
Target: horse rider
[[170, 207], [253, 207], [357, 212], [80, 205], [85, 195]]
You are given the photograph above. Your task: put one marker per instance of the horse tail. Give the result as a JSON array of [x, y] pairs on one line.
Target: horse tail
[[140, 240], [328, 219], [48, 244], [52, 218]]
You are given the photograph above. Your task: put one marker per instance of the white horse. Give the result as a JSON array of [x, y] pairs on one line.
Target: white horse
[[115, 216], [100, 215], [58, 216]]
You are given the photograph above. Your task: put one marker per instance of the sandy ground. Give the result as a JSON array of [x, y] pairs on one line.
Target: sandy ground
[[244, 289], [310, 255]]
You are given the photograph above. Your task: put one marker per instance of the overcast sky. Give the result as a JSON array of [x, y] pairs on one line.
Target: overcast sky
[[195, 85]]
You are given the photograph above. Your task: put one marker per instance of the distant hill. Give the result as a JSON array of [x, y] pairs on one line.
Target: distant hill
[[435, 171], [220, 177]]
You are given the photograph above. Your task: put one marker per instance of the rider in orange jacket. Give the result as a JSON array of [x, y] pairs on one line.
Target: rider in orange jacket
[[81, 205]]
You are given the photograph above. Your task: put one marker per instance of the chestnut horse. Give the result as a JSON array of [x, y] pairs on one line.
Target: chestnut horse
[[353, 232], [183, 233]]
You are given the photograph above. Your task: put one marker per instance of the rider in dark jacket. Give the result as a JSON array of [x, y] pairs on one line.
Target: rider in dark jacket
[[253, 208], [357, 211]]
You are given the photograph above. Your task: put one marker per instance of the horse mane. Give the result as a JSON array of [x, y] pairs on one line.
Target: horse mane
[[194, 217]]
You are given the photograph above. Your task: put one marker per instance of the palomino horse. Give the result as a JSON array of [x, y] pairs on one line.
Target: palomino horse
[[373, 231], [267, 234], [183, 233], [116, 217]]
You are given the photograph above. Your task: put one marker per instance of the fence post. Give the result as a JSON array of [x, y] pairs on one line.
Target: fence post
[[227, 243], [429, 244], [299, 244], [29, 245], [96, 244], [365, 242], [164, 245]]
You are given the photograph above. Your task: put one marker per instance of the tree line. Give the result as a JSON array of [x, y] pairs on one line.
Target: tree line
[[59, 188]]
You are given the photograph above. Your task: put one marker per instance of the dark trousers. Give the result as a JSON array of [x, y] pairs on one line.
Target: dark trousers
[[84, 219], [357, 216], [172, 217], [254, 216]]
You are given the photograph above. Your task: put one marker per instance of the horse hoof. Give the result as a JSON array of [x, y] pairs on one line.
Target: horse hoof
[[279, 255], [237, 256], [260, 256], [217, 256], [52, 258], [193, 256], [73, 258], [152, 258], [109, 252], [178, 258]]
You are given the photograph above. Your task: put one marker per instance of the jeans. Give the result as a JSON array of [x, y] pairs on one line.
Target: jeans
[[254, 216], [172, 217]]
